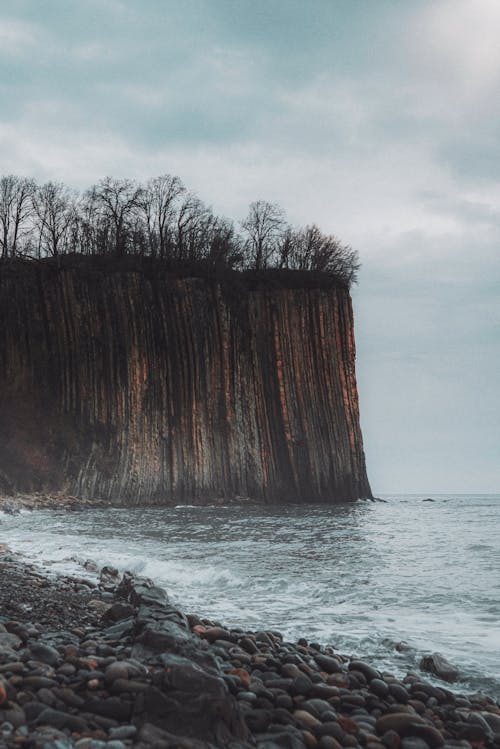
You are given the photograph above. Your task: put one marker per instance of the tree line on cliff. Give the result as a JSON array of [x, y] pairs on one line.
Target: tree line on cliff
[[159, 219]]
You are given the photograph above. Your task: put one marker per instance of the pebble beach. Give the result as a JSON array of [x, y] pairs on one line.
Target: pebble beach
[[112, 663]]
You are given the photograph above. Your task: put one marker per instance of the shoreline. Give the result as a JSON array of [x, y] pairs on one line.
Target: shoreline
[[16, 503], [112, 663]]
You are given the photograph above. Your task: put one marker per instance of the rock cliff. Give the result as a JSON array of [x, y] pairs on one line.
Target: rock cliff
[[141, 387]]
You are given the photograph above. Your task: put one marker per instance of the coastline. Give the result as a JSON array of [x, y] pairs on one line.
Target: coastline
[[15, 503], [112, 663]]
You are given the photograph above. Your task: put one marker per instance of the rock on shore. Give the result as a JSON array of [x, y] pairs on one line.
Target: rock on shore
[[115, 665]]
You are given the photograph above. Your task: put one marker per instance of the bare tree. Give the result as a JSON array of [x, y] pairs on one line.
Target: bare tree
[[192, 216], [263, 229], [225, 247], [120, 216], [15, 212], [158, 204], [54, 214], [119, 200], [90, 224], [311, 250], [287, 247]]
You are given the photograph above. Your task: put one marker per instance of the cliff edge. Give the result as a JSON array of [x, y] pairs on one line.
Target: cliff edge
[[146, 387]]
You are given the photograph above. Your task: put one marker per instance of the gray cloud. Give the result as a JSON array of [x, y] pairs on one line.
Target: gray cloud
[[376, 121]]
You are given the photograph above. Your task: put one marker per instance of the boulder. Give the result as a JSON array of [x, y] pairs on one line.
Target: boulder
[[438, 665]]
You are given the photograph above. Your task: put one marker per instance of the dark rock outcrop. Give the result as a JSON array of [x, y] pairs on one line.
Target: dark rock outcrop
[[135, 387]]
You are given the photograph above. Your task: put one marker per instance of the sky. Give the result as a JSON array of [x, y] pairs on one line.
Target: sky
[[378, 120]]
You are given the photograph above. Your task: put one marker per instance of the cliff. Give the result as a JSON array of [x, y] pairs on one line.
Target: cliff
[[152, 387]]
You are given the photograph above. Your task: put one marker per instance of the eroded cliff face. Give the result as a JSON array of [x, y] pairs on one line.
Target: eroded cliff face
[[132, 389]]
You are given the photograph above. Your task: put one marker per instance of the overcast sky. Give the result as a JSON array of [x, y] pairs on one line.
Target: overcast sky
[[377, 119]]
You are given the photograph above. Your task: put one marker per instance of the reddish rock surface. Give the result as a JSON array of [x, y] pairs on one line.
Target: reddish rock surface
[[136, 388]]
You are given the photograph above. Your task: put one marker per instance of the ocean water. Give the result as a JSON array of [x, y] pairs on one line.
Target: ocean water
[[362, 577]]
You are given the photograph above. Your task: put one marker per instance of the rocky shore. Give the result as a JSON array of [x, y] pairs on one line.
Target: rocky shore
[[12, 504], [112, 663]]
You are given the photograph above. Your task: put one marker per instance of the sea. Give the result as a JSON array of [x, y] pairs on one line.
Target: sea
[[388, 581]]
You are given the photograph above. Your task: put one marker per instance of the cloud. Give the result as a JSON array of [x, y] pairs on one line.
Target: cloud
[[17, 37], [376, 121], [460, 39]]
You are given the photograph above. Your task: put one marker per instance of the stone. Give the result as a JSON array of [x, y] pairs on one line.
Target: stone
[[413, 742], [100, 607], [399, 692], [59, 719], [186, 676], [316, 706], [258, 720], [301, 685], [438, 665], [45, 653], [122, 732], [379, 687], [37, 682], [306, 719], [398, 722], [493, 720], [432, 737], [328, 742], [162, 636], [111, 707], [116, 670], [10, 641], [118, 611], [282, 740], [368, 671], [328, 663], [119, 630], [120, 686]]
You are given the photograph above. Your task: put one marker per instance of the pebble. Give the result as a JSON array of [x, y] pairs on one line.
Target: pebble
[[396, 722], [379, 687], [136, 671]]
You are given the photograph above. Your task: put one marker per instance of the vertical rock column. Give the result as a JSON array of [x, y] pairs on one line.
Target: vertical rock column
[[132, 389]]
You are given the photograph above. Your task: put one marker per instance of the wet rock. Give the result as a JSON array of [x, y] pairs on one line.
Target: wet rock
[[116, 670], [122, 732], [368, 671], [19, 629], [391, 739], [99, 606], [60, 719], [432, 737], [38, 682], [9, 641], [119, 630], [281, 740], [301, 685], [399, 692], [152, 682], [440, 667], [412, 742], [109, 575], [118, 611], [111, 707], [398, 722], [306, 719], [328, 742], [493, 720], [12, 713], [328, 663], [258, 720], [45, 653], [379, 687]]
